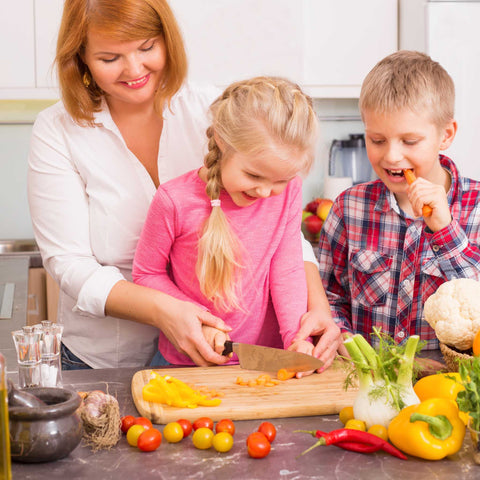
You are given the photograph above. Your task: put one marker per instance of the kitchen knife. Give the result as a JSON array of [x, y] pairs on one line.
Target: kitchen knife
[[255, 357]]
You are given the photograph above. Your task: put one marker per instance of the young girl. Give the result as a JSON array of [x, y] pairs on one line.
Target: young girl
[[226, 236]]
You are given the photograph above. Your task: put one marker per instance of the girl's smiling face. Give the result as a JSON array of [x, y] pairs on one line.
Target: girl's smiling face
[[406, 139], [247, 178], [128, 72]]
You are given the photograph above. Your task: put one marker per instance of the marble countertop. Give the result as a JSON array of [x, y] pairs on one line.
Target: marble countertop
[[183, 461]]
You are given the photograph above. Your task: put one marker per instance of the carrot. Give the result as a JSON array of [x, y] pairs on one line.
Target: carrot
[[284, 374], [410, 177]]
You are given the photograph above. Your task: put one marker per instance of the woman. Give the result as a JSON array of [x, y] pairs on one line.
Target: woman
[[125, 124]]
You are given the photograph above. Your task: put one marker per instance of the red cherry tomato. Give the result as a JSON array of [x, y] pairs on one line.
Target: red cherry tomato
[[268, 430], [203, 422], [186, 426], [225, 425], [127, 422], [257, 445], [143, 421], [149, 440]]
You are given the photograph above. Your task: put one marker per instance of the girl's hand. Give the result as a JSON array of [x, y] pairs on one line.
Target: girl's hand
[[422, 192], [184, 330], [319, 323], [302, 346], [215, 338]]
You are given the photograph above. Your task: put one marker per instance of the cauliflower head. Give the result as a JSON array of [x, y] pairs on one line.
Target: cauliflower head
[[453, 311]]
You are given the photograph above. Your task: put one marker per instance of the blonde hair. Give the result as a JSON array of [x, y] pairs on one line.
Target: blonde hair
[[249, 117], [409, 79], [123, 20]]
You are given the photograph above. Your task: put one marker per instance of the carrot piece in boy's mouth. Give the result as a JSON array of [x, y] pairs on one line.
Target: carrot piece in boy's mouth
[[410, 177]]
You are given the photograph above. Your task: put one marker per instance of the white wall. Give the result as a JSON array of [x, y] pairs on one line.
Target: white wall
[[14, 215]]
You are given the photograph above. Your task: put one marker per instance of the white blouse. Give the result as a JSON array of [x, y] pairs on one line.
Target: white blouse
[[88, 197]]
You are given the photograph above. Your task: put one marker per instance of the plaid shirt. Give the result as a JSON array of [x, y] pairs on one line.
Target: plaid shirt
[[379, 265]]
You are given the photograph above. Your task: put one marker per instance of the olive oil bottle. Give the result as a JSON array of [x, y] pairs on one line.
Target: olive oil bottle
[[5, 468]]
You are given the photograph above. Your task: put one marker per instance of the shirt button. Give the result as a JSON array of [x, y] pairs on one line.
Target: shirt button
[[435, 248], [400, 334]]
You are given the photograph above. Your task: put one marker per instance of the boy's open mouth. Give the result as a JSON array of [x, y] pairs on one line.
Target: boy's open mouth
[[395, 173]]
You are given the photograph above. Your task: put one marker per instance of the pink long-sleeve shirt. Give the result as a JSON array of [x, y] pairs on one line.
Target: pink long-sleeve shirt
[[273, 289]]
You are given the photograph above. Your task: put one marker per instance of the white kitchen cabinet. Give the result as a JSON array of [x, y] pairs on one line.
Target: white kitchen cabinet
[[344, 39], [27, 48], [326, 46], [17, 48], [48, 14], [227, 40]]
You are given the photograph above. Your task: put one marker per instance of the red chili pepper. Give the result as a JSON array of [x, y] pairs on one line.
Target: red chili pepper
[[352, 446], [346, 437], [349, 434]]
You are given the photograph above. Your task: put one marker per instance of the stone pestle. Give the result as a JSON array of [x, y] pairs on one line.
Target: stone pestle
[[22, 398]]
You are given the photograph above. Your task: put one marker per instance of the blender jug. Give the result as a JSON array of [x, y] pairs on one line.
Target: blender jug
[[348, 158]]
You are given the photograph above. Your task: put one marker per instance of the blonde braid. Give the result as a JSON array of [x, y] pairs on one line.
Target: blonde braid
[[218, 247]]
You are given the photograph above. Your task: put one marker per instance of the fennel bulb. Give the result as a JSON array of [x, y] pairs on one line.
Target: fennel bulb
[[385, 377]]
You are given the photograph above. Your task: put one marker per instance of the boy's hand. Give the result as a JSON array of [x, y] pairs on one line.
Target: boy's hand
[[215, 338], [422, 192]]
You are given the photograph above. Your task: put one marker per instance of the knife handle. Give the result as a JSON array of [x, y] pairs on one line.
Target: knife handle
[[228, 347]]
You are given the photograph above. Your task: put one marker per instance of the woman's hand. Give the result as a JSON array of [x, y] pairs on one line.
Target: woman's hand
[[180, 321]]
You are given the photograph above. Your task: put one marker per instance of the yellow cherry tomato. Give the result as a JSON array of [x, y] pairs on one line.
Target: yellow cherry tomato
[[379, 431], [222, 442], [173, 432], [356, 425], [202, 438], [346, 414], [133, 433]]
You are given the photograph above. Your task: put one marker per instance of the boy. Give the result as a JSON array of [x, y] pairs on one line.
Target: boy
[[380, 259]]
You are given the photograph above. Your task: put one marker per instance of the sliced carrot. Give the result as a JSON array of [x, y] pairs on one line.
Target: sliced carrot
[[410, 178], [284, 374]]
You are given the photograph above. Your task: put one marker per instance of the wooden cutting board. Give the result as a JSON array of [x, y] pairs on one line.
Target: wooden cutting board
[[318, 394]]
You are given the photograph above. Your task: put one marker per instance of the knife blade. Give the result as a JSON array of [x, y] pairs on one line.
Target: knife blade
[[255, 357]]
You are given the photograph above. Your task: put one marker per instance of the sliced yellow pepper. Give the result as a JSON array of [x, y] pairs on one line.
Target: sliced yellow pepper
[[441, 386], [171, 391], [430, 430]]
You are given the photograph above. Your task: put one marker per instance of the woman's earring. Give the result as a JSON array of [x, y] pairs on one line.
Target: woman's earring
[[87, 80]]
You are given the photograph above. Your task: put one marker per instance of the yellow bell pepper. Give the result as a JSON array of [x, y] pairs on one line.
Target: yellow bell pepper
[[171, 391], [430, 430], [441, 386]]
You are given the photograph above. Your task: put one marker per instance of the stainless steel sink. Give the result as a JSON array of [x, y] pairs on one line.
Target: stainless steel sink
[[9, 247], [18, 247]]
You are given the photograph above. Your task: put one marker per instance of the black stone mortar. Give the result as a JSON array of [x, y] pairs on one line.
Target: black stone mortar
[[45, 433]]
